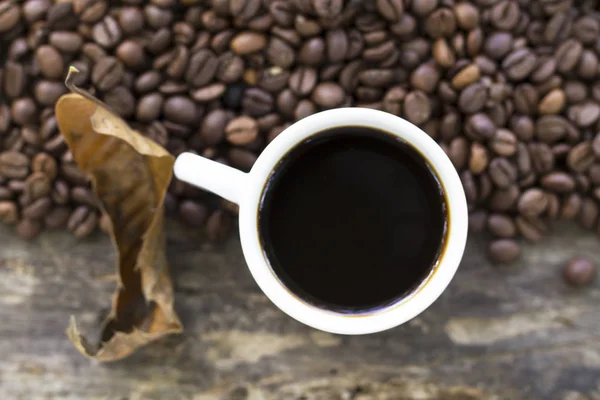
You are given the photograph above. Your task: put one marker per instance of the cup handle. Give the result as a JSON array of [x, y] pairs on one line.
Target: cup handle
[[210, 175]]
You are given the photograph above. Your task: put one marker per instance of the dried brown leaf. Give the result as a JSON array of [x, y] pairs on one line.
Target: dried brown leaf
[[130, 175]]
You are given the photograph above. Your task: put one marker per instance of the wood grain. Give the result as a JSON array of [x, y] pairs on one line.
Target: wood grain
[[513, 332]]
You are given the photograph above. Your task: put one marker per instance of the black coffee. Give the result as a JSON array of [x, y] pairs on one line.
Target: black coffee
[[352, 220]]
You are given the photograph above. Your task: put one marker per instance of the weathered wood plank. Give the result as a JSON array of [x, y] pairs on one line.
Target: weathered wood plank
[[514, 332]]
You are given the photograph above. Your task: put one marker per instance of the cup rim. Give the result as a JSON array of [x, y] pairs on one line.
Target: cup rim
[[405, 308]]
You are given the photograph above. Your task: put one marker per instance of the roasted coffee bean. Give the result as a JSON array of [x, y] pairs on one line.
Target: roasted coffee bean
[[581, 157], [242, 159], [571, 206], [477, 221], [417, 107], [24, 111], [501, 226], [218, 226], [579, 272], [37, 209], [57, 218], [82, 221], [531, 228], [567, 55], [304, 108], [473, 98], [542, 157], [533, 202], [552, 103], [391, 10], [328, 95], [279, 53], [502, 172], [519, 64], [241, 131], [37, 185], [107, 32], [504, 251], [459, 152], [480, 127], [551, 128], [14, 165], [48, 92], [9, 212], [28, 229], [479, 158], [440, 22], [257, 102], [248, 42], [504, 143], [584, 114], [181, 109], [303, 80], [589, 213], [107, 73]]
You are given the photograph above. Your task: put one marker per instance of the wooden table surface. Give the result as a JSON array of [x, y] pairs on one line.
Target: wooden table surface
[[515, 332]]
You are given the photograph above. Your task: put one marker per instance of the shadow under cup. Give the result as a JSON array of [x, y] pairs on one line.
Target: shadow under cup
[[353, 220]]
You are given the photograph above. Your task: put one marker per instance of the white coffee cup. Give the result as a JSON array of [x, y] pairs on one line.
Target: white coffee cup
[[245, 189]]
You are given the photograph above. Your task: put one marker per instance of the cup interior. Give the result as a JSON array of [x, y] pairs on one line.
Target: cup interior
[[405, 306]]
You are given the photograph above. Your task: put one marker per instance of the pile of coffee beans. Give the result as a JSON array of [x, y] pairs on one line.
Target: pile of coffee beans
[[508, 88]]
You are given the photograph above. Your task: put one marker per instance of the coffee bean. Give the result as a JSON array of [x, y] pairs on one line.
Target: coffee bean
[[248, 42], [13, 81], [82, 221], [328, 95], [257, 102], [531, 228], [337, 45], [391, 10], [417, 107], [9, 212], [589, 213], [241, 131], [440, 22], [107, 73], [181, 109], [48, 92], [519, 64], [584, 114], [242, 159], [279, 53], [542, 157], [37, 185], [567, 55], [480, 127], [57, 218], [479, 158], [502, 172], [581, 157], [38, 208], [501, 226], [579, 272], [552, 103], [425, 77], [24, 111], [303, 80], [505, 14], [28, 229], [473, 98], [532, 202], [504, 251], [459, 152], [14, 165], [504, 142], [571, 206], [218, 226], [131, 20]]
